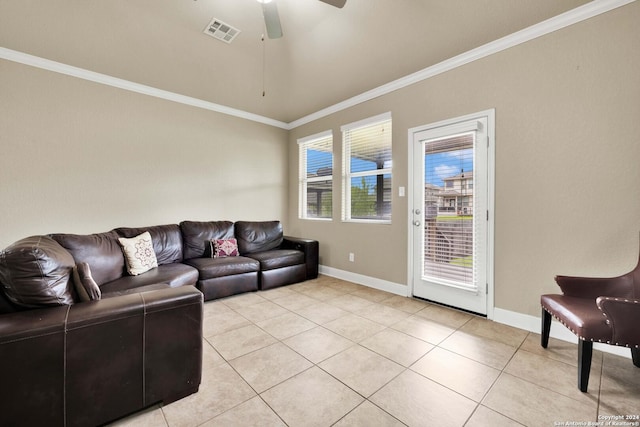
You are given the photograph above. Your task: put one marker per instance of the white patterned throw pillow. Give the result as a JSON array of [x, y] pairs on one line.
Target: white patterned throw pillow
[[138, 253]]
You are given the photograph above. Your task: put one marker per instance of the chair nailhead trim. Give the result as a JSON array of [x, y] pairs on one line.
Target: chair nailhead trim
[[609, 321], [592, 340], [624, 299]]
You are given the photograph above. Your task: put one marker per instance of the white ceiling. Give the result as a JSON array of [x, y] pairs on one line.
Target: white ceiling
[[326, 55]]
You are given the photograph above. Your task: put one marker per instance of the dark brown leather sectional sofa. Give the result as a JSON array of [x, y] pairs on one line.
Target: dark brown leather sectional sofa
[[71, 363], [268, 258]]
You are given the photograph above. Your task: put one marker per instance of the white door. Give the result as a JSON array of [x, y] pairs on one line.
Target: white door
[[451, 245]]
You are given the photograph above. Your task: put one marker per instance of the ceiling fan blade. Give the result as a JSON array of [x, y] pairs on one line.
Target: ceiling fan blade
[[336, 3], [272, 20]]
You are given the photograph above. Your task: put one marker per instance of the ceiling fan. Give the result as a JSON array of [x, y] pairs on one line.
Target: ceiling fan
[[272, 19]]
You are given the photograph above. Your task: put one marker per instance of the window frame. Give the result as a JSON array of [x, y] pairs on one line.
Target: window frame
[[347, 175], [303, 180]]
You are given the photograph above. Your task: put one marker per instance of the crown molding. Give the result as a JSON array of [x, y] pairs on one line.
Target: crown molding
[[69, 70], [574, 16]]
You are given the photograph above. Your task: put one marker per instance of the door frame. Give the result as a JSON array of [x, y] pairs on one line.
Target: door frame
[[491, 150]]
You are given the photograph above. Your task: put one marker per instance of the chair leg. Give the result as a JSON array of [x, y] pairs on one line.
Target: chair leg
[[635, 356], [546, 328], [585, 351]]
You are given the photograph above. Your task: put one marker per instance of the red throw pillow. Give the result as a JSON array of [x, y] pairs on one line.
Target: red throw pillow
[[221, 248]]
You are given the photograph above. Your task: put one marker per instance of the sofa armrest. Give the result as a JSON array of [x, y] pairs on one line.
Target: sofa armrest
[[311, 252], [104, 359], [32, 354], [623, 315], [173, 343], [131, 351], [126, 353]]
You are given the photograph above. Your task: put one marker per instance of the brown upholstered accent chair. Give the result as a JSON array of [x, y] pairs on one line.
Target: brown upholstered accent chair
[[605, 310]]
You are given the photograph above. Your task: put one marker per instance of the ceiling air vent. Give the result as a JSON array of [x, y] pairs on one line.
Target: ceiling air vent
[[221, 31]]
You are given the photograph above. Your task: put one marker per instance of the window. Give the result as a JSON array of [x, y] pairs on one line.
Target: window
[[448, 236], [366, 157], [316, 176]]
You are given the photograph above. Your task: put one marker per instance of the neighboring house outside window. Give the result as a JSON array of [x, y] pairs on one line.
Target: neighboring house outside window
[[316, 176], [366, 170], [455, 199]]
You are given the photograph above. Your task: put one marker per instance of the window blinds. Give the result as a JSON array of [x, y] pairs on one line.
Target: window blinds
[[367, 169], [316, 176], [449, 215]]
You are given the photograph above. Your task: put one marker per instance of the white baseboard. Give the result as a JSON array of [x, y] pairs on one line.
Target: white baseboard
[[372, 282], [506, 317]]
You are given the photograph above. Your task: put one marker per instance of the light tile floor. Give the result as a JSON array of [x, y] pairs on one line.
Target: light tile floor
[[328, 352]]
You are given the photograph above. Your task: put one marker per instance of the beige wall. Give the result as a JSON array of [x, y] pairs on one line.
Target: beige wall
[[81, 157], [567, 153]]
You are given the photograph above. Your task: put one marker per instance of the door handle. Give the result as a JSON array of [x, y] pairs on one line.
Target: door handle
[[416, 223]]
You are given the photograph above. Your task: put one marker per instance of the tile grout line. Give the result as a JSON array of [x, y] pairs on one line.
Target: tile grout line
[[386, 327], [317, 365], [407, 368]]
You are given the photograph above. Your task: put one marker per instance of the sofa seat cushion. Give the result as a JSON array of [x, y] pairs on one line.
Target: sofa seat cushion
[[278, 258], [210, 268], [174, 275]]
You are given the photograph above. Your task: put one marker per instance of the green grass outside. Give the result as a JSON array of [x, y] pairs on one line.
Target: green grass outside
[[463, 262], [454, 218]]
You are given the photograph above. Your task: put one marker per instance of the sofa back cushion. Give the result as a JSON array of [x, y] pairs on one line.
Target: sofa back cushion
[[101, 251], [6, 306], [36, 272], [258, 236], [167, 241], [196, 236]]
